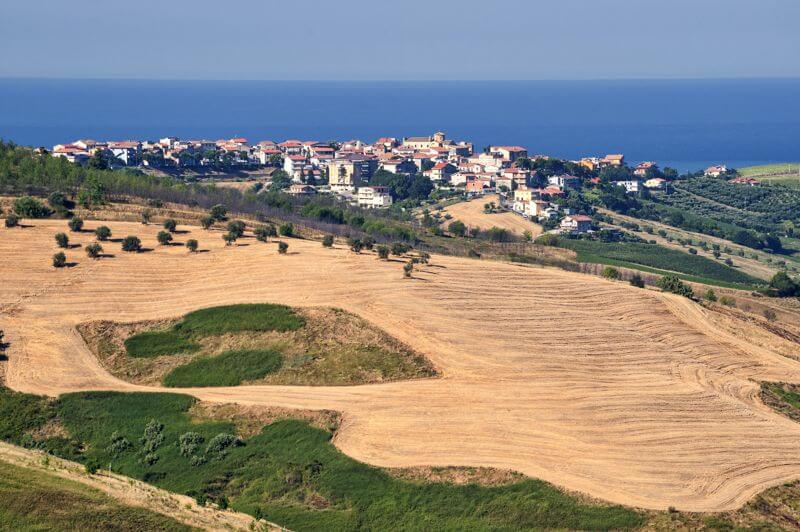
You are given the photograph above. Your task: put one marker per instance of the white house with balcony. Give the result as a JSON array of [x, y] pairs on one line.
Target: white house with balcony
[[375, 197]]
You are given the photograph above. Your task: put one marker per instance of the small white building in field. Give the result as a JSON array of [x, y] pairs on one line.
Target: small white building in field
[[376, 197]]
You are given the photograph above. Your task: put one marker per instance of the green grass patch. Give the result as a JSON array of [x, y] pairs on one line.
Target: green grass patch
[[157, 343], [236, 318], [227, 369], [36, 500], [291, 474], [777, 169], [658, 259]]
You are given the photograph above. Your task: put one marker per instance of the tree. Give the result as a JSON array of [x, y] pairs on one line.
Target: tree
[[28, 207], [62, 240], [75, 224], [356, 245], [164, 237], [58, 202], [99, 161], [671, 283], [327, 241], [399, 248], [102, 233], [424, 257], [781, 285], [263, 232], [457, 228], [637, 281], [710, 295], [408, 267], [12, 220], [610, 273], [146, 215], [229, 238], [206, 221], [59, 260], [94, 250], [218, 212], [283, 247], [280, 181], [170, 225], [131, 244], [383, 252], [236, 227], [287, 229], [527, 236], [368, 242], [191, 245]]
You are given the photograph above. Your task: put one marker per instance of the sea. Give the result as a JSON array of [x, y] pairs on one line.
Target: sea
[[685, 124]]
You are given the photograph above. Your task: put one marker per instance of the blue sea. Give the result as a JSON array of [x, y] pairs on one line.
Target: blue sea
[[687, 124]]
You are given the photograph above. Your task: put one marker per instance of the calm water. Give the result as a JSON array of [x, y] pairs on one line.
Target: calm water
[[686, 124]]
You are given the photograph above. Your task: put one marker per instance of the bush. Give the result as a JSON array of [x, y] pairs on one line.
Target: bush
[[263, 232], [62, 240], [218, 212], [770, 314], [408, 267], [457, 228], [368, 242], [170, 225], [671, 283], [229, 238], [102, 233], [781, 285], [94, 250], [710, 295], [383, 252], [327, 241], [191, 245], [12, 220], [399, 248], [236, 227], [728, 262], [206, 221], [131, 244], [75, 224], [28, 207], [283, 247], [727, 301], [145, 217], [610, 273], [287, 229], [59, 260], [164, 237], [548, 239], [356, 245], [693, 251], [637, 281]]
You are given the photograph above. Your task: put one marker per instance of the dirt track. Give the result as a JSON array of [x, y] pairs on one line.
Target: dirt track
[[627, 395], [472, 214]]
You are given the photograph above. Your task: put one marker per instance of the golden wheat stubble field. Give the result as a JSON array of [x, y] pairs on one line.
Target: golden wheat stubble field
[[472, 214], [624, 394]]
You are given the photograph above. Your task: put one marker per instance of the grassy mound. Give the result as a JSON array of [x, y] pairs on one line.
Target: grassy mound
[[291, 474], [236, 318], [35, 500], [157, 343], [228, 369]]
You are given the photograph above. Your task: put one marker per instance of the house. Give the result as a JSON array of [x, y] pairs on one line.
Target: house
[[399, 166], [645, 169], [294, 165], [613, 159], [564, 181], [477, 186], [128, 152], [440, 172], [523, 194], [537, 208], [520, 176], [291, 147], [509, 153], [590, 163], [716, 171], [299, 189], [503, 184], [345, 174], [423, 143], [71, 153], [749, 181], [656, 183], [631, 186], [576, 223], [375, 197]]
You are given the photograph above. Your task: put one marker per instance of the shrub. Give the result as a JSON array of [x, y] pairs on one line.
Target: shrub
[[728, 301], [671, 283], [610, 273], [728, 262], [287, 229], [356, 245], [693, 251], [770, 314], [236, 227], [28, 207], [327, 241], [170, 225], [59, 260], [710, 295], [399, 248], [457, 228], [189, 443], [383, 252], [191, 245], [206, 221], [62, 240], [408, 267], [548, 239], [229, 238], [12, 220], [75, 224], [102, 232], [146, 215], [424, 257], [218, 212], [781, 285], [164, 237], [131, 244], [283, 247], [94, 250], [637, 280], [263, 232], [368, 242], [219, 443], [527, 236]]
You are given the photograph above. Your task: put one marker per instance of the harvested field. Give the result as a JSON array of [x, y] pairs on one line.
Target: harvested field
[[472, 214], [627, 395]]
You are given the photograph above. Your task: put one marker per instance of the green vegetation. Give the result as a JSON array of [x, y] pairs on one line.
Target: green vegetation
[[235, 318], [157, 343], [227, 369], [671, 283], [37, 500], [657, 259], [59, 260], [191, 245], [94, 250], [103, 232], [293, 475], [131, 244], [771, 170], [28, 207], [62, 240], [75, 224]]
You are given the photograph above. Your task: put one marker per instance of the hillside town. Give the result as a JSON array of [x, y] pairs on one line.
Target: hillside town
[[347, 169]]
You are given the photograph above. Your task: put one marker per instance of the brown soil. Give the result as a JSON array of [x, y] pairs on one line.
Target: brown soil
[[333, 348], [250, 419], [483, 476]]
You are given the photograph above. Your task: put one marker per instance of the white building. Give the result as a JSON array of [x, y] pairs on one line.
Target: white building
[[375, 197], [631, 187]]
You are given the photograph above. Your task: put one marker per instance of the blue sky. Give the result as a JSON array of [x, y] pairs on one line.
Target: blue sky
[[408, 40]]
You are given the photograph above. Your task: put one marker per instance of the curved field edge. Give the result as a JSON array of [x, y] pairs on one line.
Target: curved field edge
[[289, 472], [321, 346]]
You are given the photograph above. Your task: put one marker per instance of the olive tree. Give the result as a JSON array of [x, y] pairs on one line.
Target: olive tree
[[62, 240], [102, 233], [75, 224], [283, 247], [170, 225], [191, 245], [131, 244], [94, 250], [164, 237], [327, 241], [59, 260]]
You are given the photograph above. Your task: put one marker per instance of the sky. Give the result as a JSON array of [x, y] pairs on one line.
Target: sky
[[407, 40]]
